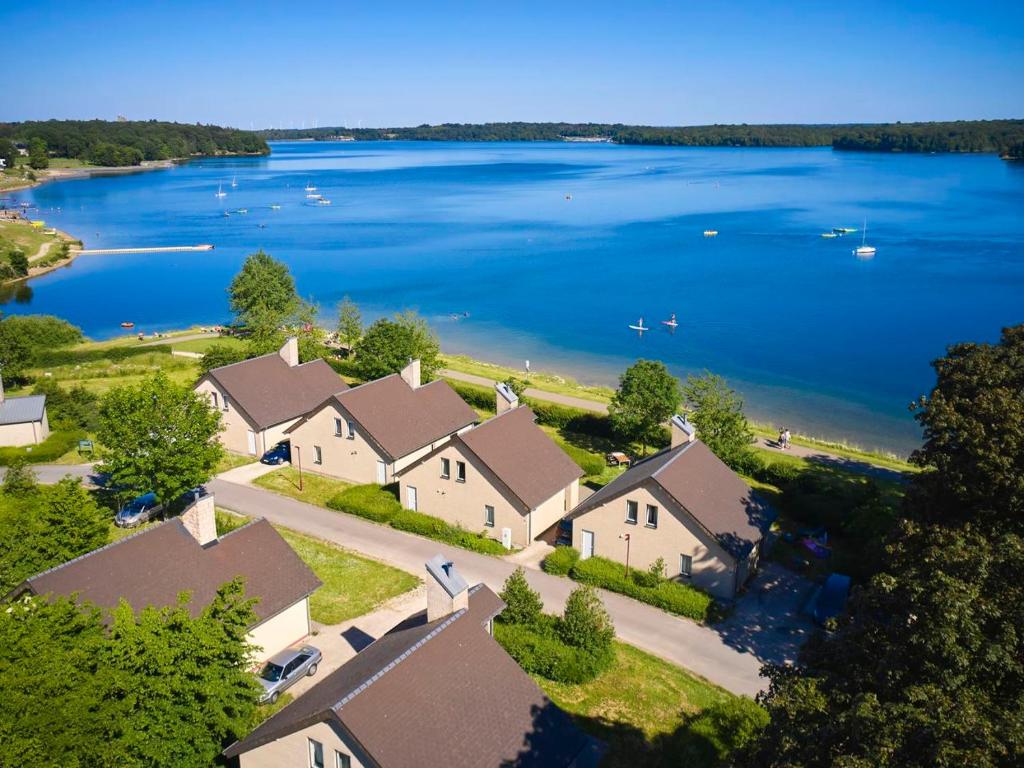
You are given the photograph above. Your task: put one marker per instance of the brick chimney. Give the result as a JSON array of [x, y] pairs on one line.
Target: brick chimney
[[682, 430], [200, 520], [411, 374], [289, 352], [505, 398], [447, 591]]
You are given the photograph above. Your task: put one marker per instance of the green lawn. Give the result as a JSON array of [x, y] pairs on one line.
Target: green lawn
[[201, 345], [100, 376], [20, 235], [653, 713], [353, 585], [315, 488], [549, 382], [230, 460]]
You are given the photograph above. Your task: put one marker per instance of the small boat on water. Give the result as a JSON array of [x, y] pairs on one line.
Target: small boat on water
[[127, 324], [310, 187], [671, 322], [844, 230], [710, 233], [220, 191], [234, 182], [639, 326], [829, 235], [865, 250], [242, 211], [313, 196], [275, 207], [323, 201], [226, 214]]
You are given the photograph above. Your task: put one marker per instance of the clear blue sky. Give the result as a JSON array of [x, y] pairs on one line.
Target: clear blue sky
[[399, 63]]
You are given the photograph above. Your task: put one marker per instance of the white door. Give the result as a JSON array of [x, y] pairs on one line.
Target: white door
[[410, 494], [252, 441], [588, 545], [382, 475]]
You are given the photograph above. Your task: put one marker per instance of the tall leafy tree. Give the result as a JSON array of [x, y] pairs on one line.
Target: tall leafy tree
[[311, 336], [717, 413], [159, 436], [38, 157], [15, 353], [262, 294], [647, 397], [8, 152], [389, 345], [350, 323]]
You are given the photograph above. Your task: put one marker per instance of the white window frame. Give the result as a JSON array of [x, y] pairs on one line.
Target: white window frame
[[647, 516], [313, 746], [214, 400], [341, 760], [446, 468], [318, 455], [488, 515], [225, 403], [351, 430], [685, 566], [338, 432], [635, 505], [460, 471]]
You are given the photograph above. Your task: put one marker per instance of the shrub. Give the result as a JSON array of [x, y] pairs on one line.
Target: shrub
[[68, 408], [368, 501], [653, 576], [561, 561], [539, 651], [53, 447], [217, 355], [585, 623], [681, 599], [777, 473], [475, 396], [522, 604], [44, 332], [19, 480]]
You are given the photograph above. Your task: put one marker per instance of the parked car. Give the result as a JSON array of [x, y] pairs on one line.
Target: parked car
[[282, 670], [139, 510], [564, 537], [279, 454]]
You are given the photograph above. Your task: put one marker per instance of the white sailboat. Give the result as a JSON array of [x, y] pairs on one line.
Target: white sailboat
[[220, 191], [865, 249], [234, 182], [310, 187]]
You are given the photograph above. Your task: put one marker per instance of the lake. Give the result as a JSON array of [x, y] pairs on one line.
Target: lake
[[554, 249]]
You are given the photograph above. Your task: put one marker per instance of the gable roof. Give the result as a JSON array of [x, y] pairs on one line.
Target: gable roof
[[22, 410], [441, 692], [270, 391], [153, 566], [701, 483], [522, 456], [401, 419]]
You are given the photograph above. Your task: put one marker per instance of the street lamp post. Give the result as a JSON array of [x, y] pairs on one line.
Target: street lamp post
[[626, 537], [298, 464]]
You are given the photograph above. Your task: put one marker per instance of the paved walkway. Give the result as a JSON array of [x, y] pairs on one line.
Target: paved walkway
[[680, 641], [537, 394], [248, 472]]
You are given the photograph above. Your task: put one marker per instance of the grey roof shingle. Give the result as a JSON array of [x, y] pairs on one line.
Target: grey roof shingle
[[22, 410], [701, 483]]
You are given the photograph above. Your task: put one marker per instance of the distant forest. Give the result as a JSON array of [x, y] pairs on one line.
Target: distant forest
[[103, 142], [1003, 136]]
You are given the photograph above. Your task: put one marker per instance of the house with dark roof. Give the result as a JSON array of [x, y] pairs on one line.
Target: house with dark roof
[[505, 477], [260, 398], [152, 567], [368, 433], [435, 690], [683, 505], [22, 419]]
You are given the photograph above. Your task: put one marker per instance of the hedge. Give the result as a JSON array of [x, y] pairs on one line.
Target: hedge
[[374, 503], [671, 596], [52, 448], [49, 357], [561, 561], [539, 651]]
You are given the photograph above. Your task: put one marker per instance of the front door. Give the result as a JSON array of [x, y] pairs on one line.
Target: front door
[[588, 545], [410, 494], [252, 441], [382, 475]]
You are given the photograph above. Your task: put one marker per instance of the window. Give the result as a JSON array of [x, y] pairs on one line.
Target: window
[[632, 511], [337, 427], [685, 565], [318, 456], [225, 403], [460, 471], [652, 516], [351, 431], [316, 754], [488, 515], [213, 399], [341, 760], [446, 468]]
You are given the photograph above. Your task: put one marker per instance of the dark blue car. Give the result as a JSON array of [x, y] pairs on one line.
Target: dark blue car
[[279, 454]]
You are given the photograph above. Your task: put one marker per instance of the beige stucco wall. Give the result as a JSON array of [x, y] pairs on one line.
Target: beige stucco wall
[[235, 433], [292, 751], [281, 630], [677, 534], [29, 433], [554, 509]]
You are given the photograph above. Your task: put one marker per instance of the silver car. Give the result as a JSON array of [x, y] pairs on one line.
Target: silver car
[[282, 670]]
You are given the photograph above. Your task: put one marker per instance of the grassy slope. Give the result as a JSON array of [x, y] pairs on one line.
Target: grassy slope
[[201, 345], [315, 489], [17, 234]]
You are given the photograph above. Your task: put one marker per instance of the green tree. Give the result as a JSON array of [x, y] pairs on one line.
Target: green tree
[[8, 153], [18, 261], [518, 386], [262, 294], [43, 332], [717, 413], [38, 158], [19, 479], [350, 323], [159, 436], [72, 522], [647, 397], [73, 408], [312, 337], [585, 622], [522, 604], [973, 448], [15, 353], [389, 345], [217, 355]]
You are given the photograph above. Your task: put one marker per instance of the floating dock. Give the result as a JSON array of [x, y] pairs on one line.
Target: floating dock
[[167, 249]]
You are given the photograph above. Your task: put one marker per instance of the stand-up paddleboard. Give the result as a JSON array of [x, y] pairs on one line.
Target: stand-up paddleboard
[[670, 323], [639, 328]]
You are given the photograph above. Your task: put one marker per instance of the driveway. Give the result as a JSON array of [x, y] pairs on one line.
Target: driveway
[[703, 650]]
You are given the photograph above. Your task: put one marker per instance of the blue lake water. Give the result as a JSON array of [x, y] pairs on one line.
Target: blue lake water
[[815, 338]]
